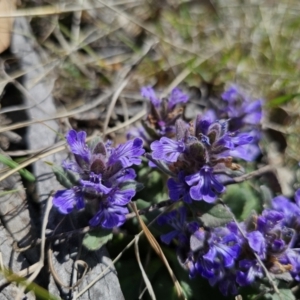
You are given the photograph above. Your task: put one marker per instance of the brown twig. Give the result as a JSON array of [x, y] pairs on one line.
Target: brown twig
[[250, 175]]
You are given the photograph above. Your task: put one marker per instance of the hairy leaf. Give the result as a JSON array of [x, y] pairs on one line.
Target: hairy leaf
[[218, 215], [94, 240], [65, 178], [285, 294]]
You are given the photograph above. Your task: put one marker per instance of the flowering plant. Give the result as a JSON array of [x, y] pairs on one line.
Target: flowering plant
[[200, 160]]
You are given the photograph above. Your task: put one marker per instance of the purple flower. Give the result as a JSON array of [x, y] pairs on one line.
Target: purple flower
[[66, 200], [291, 261], [76, 141], [224, 246], [179, 189], [289, 210], [231, 95], [162, 115], [109, 216], [257, 243], [128, 153], [167, 149], [148, 93], [176, 219], [207, 186], [94, 185], [106, 182], [121, 197], [176, 97], [211, 270], [269, 220], [251, 269], [241, 109], [248, 152], [253, 112]]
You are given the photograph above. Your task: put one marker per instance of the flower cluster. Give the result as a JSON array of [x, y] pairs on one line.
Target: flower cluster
[[241, 110], [161, 116], [225, 255], [105, 179], [198, 154]]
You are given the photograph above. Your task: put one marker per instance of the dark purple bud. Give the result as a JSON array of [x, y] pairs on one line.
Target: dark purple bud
[[98, 166], [100, 149]]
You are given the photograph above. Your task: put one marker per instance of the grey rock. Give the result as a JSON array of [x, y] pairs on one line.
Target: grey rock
[[63, 255]]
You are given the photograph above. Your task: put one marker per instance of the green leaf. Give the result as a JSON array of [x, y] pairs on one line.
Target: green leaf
[[142, 204], [286, 276], [241, 199], [282, 99], [95, 239], [12, 164], [65, 178], [132, 184], [218, 215], [285, 294]]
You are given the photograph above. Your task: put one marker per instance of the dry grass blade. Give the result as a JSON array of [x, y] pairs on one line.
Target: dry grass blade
[[145, 277], [80, 110], [7, 7], [53, 10], [56, 277], [60, 147], [40, 263], [154, 244], [112, 104], [116, 259]]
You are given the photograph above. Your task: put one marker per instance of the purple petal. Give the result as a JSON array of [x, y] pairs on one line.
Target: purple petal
[[206, 185], [65, 200], [206, 268], [128, 153], [176, 97], [231, 95], [167, 218], [243, 138], [94, 185], [109, 217], [257, 243], [211, 254], [167, 149], [121, 197], [168, 237], [297, 197], [244, 278], [285, 206], [76, 141], [178, 189], [149, 94], [193, 179], [124, 175], [247, 152]]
